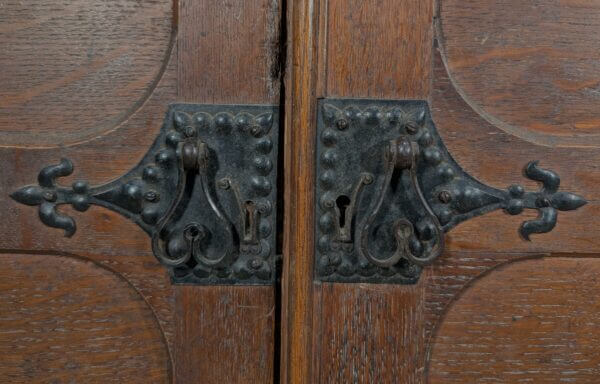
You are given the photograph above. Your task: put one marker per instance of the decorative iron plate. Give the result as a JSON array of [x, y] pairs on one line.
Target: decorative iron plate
[[205, 192], [387, 190]]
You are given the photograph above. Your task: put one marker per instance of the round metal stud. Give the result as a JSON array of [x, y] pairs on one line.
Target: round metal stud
[[444, 197], [49, 196]]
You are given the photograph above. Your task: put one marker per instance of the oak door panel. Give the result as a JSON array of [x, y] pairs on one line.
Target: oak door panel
[[375, 49], [59, 57], [529, 320], [55, 327], [359, 342], [97, 94], [498, 76], [528, 67]]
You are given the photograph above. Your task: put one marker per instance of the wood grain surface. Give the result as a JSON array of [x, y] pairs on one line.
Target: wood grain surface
[[74, 69], [530, 67], [229, 51], [377, 48], [297, 327], [530, 321], [358, 341], [225, 334], [55, 327]]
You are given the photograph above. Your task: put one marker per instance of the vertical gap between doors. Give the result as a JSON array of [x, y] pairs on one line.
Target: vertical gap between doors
[[281, 68]]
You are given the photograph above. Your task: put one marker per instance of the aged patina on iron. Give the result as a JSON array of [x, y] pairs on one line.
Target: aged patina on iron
[[204, 193], [387, 190]]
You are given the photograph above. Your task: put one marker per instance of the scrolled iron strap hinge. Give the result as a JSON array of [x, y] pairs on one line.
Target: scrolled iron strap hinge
[[204, 192], [388, 190]]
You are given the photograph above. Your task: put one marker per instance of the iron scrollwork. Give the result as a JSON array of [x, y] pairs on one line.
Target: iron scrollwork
[[204, 193], [388, 190]]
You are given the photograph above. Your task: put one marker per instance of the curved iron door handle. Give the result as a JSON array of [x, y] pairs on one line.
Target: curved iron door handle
[[179, 194], [192, 159], [399, 154], [382, 221]]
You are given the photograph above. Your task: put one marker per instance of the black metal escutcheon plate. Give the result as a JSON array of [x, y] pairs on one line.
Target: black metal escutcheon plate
[[205, 193], [387, 190]]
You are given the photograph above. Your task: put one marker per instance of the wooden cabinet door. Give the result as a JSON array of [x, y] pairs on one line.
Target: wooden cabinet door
[[507, 82], [91, 81]]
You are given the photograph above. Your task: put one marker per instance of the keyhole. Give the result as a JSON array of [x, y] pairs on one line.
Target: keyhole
[[342, 203], [249, 219]]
